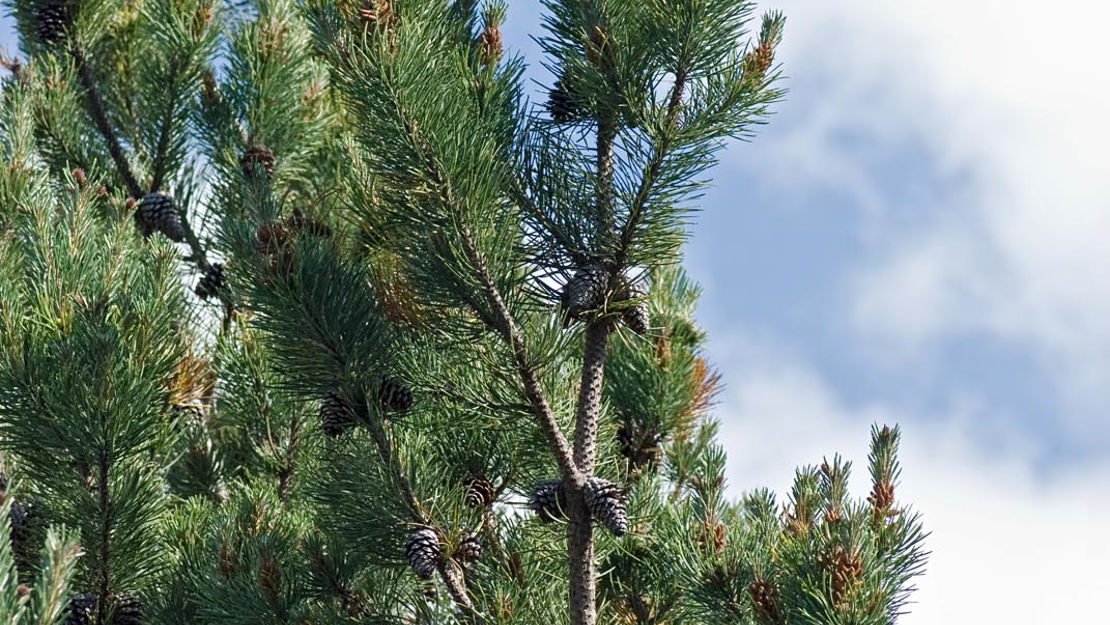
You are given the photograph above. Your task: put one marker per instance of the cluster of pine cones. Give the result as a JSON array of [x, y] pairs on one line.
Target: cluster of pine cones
[[604, 499], [586, 291], [337, 414]]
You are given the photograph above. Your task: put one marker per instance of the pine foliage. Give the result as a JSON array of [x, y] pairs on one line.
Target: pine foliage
[[312, 312]]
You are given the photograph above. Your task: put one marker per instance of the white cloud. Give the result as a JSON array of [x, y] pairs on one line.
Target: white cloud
[[1008, 105], [1008, 546]]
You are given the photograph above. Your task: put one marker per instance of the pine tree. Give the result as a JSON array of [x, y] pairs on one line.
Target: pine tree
[[310, 315]]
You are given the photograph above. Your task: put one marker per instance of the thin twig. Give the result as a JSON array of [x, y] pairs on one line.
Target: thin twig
[[389, 458]]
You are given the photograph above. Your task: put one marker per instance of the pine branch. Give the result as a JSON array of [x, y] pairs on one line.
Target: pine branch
[[580, 548], [503, 322], [580, 560], [457, 589], [507, 327], [589, 394], [390, 460], [160, 155], [385, 449], [99, 114], [654, 166]]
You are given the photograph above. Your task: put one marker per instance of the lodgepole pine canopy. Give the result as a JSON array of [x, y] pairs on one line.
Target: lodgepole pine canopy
[[344, 312]]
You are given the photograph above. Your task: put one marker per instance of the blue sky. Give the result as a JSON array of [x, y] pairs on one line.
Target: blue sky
[[918, 236]]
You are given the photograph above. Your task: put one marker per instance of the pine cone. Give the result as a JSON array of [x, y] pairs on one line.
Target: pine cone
[[129, 610], [561, 102], [469, 549], [641, 447], [81, 610], [52, 18], [605, 501], [585, 291], [393, 395], [211, 282], [22, 517], [158, 212], [336, 415], [479, 492], [257, 159], [423, 551], [637, 315], [548, 500]]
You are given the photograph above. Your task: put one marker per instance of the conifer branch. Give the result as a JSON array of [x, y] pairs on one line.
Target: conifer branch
[[597, 332], [580, 546], [450, 577], [160, 153], [654, 166], [389, 459], [507, 327], [589, 394], [580, 560], [457, 589], [99, 115], [502, 322]]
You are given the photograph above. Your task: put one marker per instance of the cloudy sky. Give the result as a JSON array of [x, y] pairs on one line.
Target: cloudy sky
[[918, 238]]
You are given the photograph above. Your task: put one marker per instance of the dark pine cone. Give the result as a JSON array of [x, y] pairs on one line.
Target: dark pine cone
[[393, 395], [211, 282], [548, 500], [52, 18], [128, 610], [423, 551], [605, 501], [336, 415], [636, 315], [479, 492], [257, 159], [469, 549], [641, 446], [561, 103], [23, 517], [81, 610], [584, 291], [158, 213]]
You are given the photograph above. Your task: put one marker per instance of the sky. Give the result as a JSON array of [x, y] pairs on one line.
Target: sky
[[917, 237]]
